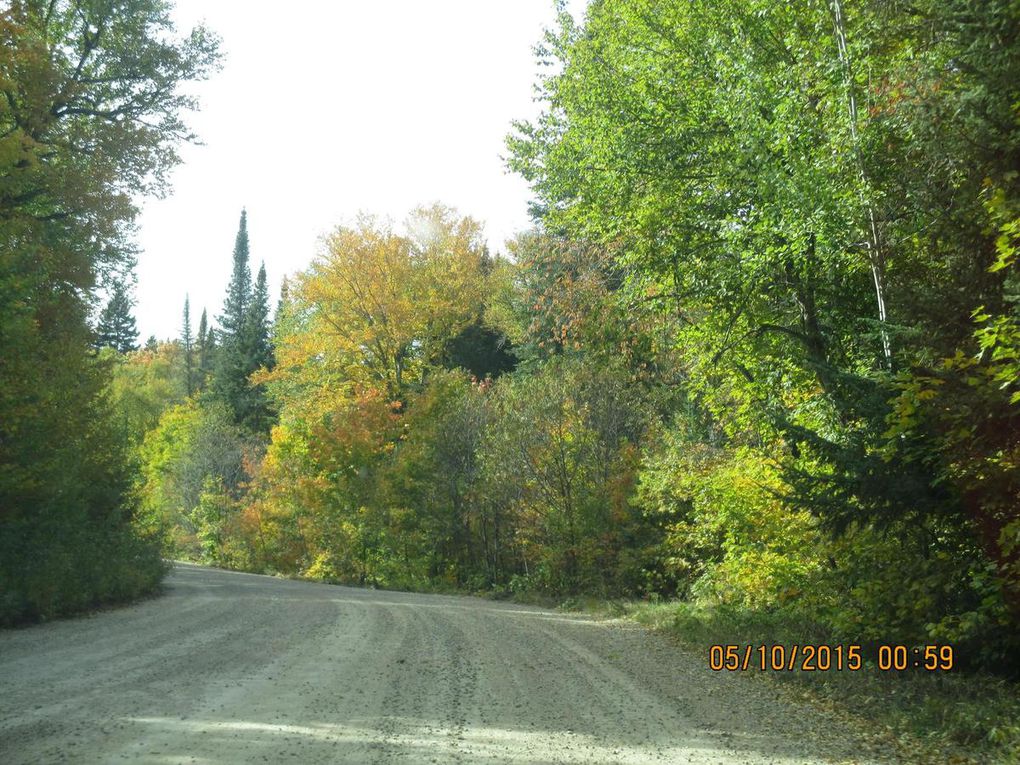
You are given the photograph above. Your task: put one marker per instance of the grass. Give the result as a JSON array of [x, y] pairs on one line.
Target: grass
[[937, 717]]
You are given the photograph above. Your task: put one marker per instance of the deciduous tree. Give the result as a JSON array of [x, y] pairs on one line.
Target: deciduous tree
[[90, 114]]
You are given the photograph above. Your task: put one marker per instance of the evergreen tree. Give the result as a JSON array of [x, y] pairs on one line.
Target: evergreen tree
[[187, 344], [239, 291], [116, 328], [205, 343], [152, 345], [281, 304], [230, 380], [244, 339], [257, 352], [256, 340]]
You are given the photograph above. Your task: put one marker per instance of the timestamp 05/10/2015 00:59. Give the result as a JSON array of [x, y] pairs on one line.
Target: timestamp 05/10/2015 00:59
[[823, 658]]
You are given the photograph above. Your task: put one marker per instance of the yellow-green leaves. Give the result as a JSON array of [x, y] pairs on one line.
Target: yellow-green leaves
[[377, 305]]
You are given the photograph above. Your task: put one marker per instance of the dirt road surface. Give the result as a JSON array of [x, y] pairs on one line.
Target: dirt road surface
[[238, 668]]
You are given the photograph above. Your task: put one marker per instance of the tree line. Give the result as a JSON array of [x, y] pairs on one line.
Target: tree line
[[759, 352]]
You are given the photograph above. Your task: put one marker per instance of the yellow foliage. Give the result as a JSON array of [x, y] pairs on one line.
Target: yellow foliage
[[376, 306]]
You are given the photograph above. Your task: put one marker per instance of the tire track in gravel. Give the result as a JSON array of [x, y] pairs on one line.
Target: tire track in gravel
[[431, 671]]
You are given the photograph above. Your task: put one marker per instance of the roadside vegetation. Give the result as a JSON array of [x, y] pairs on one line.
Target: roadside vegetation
[[90, 114], [758, 361]]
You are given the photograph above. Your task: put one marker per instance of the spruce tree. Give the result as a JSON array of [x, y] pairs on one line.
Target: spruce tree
[[206, 344], [244, 340], [116, 327], [187, 345], [257, 353], [256, 341], [239, 291], [230, 381]]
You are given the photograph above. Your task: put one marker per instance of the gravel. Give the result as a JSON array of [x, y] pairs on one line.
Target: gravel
[[238, 668]]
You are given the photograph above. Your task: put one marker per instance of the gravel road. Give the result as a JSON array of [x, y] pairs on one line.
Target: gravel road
[[238, 668]]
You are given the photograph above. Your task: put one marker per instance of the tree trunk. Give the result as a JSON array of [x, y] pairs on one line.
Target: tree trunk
[[876, 256]]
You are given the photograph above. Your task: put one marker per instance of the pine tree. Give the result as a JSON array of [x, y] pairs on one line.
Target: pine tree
[[187, 344], [116, 327]]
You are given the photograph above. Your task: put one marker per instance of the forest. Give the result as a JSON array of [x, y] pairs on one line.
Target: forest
[[759, 353]]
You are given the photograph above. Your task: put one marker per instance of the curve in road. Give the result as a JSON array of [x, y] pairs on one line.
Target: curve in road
[[239, 668]]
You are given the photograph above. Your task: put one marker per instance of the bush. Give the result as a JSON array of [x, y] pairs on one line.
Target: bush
[[68, 564]]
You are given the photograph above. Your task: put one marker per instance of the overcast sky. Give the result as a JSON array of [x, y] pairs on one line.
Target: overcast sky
[[327, 107]]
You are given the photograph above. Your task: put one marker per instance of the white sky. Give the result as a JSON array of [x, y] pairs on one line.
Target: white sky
[[327, 107]]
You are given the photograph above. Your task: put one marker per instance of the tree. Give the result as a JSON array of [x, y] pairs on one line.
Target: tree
[[239, 290], [256, 332], [89, 119], [194, 443], [813, 199], [187, 346], [116, 328], [481, 350], [560, 444], [230, 378], [143, 385], [257, 353], [379, 308], [205, 343], [244, 340], [431, 483], [282, 303]]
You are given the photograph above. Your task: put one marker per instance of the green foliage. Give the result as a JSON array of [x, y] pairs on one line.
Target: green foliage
[[524, 484], [72, 562], [818, 202], [205, 346], [90, 118], [432, 482], [193, 457], [563, 442], [244, 345], [188, 348], [116, 328], [143, 385], [732, 539], [256, 328], [239, 290], [216, 520], [67, 537]]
